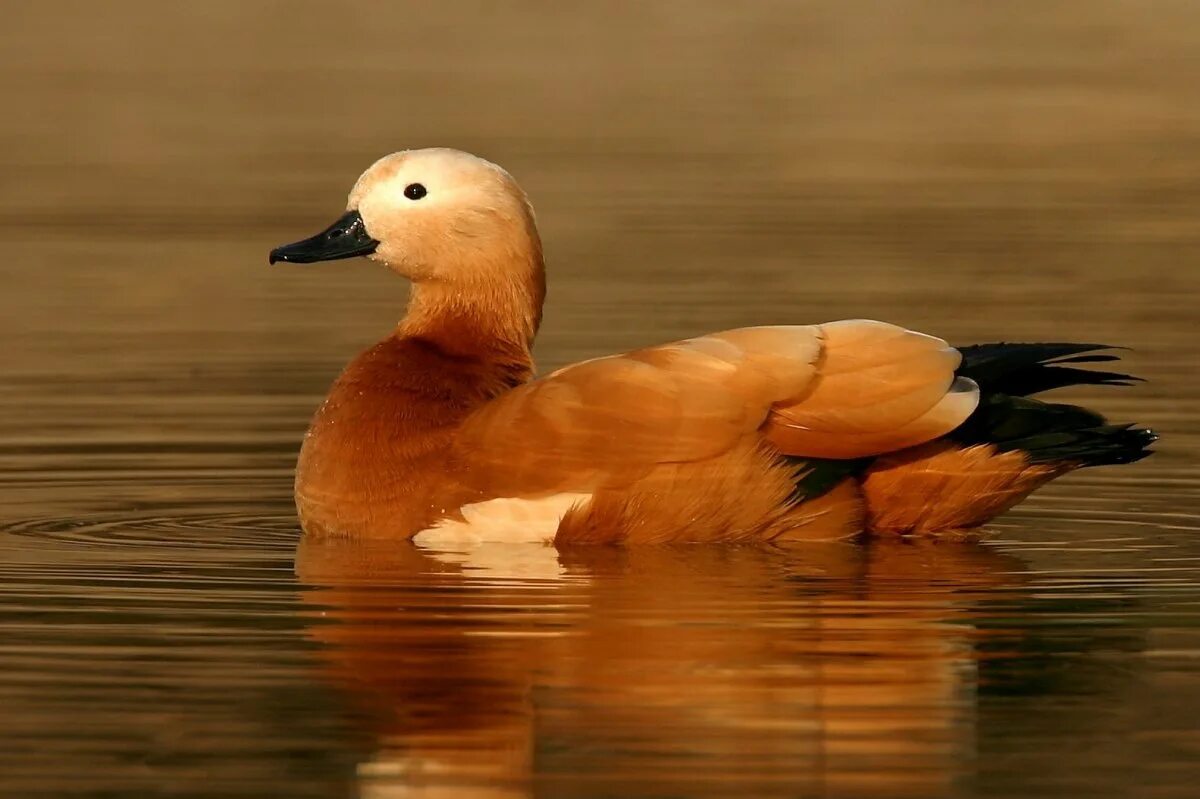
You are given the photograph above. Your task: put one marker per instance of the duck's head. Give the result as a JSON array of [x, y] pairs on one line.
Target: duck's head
[[434, 216]]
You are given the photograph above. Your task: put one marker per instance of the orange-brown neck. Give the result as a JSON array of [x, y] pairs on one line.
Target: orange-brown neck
[[492, 322]]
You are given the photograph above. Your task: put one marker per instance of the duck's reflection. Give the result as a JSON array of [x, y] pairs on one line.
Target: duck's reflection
[[825, 670]]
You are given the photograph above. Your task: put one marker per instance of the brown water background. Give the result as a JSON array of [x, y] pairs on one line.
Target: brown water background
[[981, 171]]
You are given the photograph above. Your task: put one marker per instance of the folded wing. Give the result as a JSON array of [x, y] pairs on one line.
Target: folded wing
[[840, 390], [878, 388]]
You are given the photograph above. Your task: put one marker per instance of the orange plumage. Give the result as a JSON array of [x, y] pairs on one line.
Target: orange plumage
[[440, 433]]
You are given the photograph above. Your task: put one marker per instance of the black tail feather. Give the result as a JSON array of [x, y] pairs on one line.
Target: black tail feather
[[1023, 369], [1007, 419], [1053, 432]]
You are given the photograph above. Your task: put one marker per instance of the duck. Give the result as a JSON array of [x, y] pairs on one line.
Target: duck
[[444, 435]]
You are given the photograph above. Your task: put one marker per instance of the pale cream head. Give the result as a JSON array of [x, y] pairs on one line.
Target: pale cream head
[[460, 229], [447, 216]]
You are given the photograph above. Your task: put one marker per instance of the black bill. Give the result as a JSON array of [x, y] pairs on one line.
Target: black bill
[[345, 238]]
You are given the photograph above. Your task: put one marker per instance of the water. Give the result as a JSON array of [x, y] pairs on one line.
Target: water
[[1024, 171]]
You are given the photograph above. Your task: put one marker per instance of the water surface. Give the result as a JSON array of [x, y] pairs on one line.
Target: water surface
[[1027, 171]]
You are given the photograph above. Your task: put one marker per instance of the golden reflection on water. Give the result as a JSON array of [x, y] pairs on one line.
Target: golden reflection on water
[[833, 670]]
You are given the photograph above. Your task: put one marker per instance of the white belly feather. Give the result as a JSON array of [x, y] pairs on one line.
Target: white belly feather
[[506, 520]]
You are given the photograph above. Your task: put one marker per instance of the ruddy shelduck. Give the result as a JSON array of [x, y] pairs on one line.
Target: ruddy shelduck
[[441, 432]]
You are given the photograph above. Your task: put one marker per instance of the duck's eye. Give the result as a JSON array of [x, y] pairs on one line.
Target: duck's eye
[[414, 191]]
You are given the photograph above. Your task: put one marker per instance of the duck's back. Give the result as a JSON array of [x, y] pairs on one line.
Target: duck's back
[[844, 390]]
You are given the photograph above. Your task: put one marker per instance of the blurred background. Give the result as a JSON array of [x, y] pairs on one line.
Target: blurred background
[[979, 171]]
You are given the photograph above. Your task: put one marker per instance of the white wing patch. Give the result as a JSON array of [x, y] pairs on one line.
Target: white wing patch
[[511, 520]]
